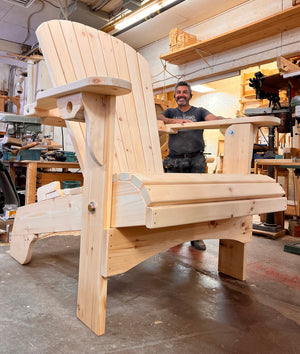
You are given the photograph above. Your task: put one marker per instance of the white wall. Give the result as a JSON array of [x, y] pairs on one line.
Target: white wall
[[263, 50]]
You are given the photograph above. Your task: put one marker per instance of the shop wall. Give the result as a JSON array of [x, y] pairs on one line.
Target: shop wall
[[260, 51]]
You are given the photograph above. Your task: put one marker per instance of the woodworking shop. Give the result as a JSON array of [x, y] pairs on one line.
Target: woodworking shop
[[150, 176]]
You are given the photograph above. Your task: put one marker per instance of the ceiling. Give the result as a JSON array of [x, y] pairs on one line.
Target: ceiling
[[18, 23]]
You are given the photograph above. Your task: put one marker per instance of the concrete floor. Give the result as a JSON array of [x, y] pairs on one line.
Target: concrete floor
[[175, 302]]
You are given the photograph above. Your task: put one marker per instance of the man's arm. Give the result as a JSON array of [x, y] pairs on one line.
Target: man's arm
[[211, 116], [172, 121]]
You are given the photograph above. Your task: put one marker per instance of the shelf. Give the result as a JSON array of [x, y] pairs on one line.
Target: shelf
[[274, 83], [277, 23]]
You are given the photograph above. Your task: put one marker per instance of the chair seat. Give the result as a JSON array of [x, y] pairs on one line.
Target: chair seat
[[160, 200]]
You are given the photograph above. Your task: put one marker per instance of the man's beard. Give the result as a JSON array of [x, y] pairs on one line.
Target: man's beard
[[183, 102]]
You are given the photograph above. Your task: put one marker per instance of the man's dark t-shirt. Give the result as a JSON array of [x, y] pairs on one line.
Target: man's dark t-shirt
[[186, 141]]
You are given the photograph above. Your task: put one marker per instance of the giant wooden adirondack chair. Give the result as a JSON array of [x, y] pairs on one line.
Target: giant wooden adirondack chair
[[130, 210]]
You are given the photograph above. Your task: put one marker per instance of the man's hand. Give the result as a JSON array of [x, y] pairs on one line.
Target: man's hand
[[179, 121], [213, 117], [173, 121]]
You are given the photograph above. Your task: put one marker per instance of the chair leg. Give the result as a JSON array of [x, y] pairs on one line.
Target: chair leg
[[232, 258], [91, 301], [96, 210], [21, 247]]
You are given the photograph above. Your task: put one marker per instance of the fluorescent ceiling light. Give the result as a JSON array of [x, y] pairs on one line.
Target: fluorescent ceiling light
[[202, 88], [139, 15]]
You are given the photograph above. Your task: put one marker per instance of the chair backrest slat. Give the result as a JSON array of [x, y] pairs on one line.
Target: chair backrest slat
[[146, 81], [74, 51], [126, 116]]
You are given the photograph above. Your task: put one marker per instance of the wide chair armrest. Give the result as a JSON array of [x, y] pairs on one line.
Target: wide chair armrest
[[258, 121], [100, 85]]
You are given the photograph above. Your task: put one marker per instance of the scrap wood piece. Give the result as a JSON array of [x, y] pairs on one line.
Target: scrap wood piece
[[9, 141], [55, 194], [61, 192], [72, 191], [286, 66], [180, 39], [47, 188]]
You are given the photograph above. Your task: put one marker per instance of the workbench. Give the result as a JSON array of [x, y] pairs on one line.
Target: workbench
[[7, 226], [282, 163], [39, 173]]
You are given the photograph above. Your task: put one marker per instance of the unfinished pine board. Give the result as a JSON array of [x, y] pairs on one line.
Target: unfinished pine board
[[56, 71], [129, 246], [239, 145], [166, 204], [55, 194], [269, 234], [129, 133], [72, 43], [155, 195], [77, 190], [99, 85], [139, 179], [259, 121], [84, 50], [150, 112], [190, 213], [139, 100], [91, 305], [77, 132], [54, 215], [128, 206], [232, 253], [47, 188], [277, 23]]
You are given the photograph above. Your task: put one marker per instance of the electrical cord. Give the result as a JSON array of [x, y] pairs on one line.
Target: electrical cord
[[29, 19]]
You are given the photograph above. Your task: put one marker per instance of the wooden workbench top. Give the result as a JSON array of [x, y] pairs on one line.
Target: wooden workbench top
[[45, 164], [277, 162]]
